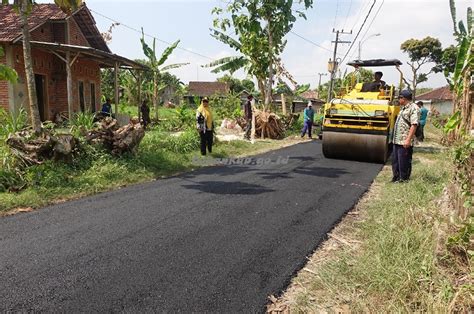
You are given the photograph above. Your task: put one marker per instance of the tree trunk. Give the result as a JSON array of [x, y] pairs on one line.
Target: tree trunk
[[414, 83], [30, 76], [268, 94], [155, 93], [261, 87], [465, 106]]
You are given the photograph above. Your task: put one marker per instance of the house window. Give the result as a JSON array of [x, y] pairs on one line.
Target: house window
[[93, 97], [81, 96]]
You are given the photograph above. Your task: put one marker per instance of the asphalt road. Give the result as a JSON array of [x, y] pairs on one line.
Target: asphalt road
[[219, 239]]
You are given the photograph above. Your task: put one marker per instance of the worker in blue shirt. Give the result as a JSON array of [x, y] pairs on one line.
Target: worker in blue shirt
[[423, 118], [106, 108], [308, 117]]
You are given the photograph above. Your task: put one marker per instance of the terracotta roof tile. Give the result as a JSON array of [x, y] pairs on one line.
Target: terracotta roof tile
[[441, 93], [207, 88], [310, 94], [10, 20]]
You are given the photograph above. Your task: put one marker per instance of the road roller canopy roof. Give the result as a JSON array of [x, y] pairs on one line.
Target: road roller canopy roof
[[375, 63]]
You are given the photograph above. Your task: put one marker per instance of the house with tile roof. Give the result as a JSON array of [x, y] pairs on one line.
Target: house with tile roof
[[206, 89], [439, 99], [55, 39]]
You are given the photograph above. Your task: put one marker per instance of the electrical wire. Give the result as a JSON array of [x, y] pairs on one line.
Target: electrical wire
[[335, 16], [347, 15], [149, 35], [375, 16], [313, 43], [360, 29], [359, 14]]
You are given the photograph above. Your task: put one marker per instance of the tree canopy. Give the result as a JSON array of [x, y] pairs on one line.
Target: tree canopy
[[259, 27]]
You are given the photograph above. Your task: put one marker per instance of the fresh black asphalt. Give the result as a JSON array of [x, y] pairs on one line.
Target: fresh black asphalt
[[219, 239]]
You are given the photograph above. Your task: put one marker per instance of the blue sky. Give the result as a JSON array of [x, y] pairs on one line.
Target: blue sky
[[189, 21]]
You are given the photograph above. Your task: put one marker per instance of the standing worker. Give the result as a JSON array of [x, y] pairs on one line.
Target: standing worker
[[145, 112], [205, 126], [248, 116], [403, 137], [308, 117], [423, 117]]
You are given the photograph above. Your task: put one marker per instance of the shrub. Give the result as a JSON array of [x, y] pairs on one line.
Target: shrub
[[81, 122], [12, 122], [187, 142], [226, 107]]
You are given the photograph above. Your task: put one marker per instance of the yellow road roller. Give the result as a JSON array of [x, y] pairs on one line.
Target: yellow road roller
[[359, 121]]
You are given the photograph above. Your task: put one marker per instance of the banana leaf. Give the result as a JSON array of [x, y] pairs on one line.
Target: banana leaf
[[469, 20], [226, 39], [463, 51], [149, 53], [173, 66], [453, 122], [231, 64], [168, 51]]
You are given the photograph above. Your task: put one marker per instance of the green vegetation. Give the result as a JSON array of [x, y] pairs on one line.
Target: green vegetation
[[395, 254], [93, 170]]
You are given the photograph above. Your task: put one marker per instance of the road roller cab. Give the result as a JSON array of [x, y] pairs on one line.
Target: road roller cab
[[359, 120]]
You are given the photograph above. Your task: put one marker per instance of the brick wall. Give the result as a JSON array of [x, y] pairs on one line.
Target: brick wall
[[75, 35], [54, 71], [43, 33], [59, 29], [3, 85]]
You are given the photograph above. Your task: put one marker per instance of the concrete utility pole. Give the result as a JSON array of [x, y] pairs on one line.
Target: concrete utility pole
[[333, 67], [319, 83]]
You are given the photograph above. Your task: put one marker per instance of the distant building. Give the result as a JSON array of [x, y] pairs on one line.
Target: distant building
[[440, 99], [206, 89]]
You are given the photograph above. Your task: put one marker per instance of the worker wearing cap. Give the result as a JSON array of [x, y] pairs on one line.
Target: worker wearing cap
[[403, 137], [308, 117]]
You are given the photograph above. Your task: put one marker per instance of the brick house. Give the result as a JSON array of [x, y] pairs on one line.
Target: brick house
[[54, 37]]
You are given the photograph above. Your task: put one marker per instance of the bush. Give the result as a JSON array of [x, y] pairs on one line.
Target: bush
[[187, 142], [81, 122], [226, 107], [12, 122]]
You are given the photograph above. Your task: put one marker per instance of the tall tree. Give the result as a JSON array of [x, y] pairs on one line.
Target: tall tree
[[23, 8], [260, 27], [421, 52], [156, 64]]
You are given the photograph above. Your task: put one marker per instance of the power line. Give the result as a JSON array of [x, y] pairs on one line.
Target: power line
[[360, 29], [149, 35], [347, 15], [312, 42], [375, 16], [337, 11], [359, 14]]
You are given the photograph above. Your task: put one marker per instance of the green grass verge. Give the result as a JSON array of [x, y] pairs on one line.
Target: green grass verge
[[94, 170], [393, 262]]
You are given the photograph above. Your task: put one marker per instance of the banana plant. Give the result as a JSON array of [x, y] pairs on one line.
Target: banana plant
[[156, 64], [460, 79]]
